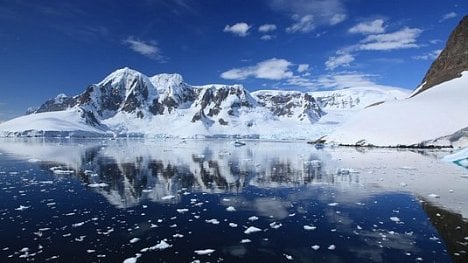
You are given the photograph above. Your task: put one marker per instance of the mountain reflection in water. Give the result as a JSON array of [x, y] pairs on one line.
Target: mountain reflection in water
[[307, 204]]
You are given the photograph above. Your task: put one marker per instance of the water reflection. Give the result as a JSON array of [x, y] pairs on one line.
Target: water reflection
[[332, 205]]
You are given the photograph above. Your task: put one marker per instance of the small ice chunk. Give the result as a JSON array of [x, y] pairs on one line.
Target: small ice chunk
[[308, 228], [183, 210], [178, 235], [90, 251], [288, 257], [167, 197], [315, 247], [162, 245], [252, 229], [204, 251], [21, 208], [275, 225], [130, 260], [332, 204], [33, 160], [78, 224], [96, 185], [134, 240], [212, 221], [232, 224], [395, 219], [230, 209], [243, 241], [403, 184], [331, 247], [434, 196], [253, 218]]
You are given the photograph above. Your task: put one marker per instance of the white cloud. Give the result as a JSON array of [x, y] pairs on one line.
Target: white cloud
[[448, 16], [323, 12], [146, 48], [272, 69], [370, 27], [303, 24], [341, 60], [348, 80], [267, 37], [404, 38], [301, 68], [428, 56], [266, 28], [337, 18], [238, 29]]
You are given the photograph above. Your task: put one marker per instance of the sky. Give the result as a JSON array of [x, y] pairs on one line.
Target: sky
[[59, 46]]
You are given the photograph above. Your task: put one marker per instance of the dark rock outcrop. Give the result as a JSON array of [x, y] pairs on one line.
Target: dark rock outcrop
[[452, 61]]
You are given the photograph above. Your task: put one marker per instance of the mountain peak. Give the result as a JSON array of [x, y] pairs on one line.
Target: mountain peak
[[452, 61], [123, 74]]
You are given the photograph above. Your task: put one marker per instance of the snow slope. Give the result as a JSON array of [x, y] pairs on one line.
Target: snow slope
[[437, 112], [128, 103], [51, 124]]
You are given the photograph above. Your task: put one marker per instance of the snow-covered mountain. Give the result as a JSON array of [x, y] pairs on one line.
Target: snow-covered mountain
[[128, 103], [437, 112], [434, 115]]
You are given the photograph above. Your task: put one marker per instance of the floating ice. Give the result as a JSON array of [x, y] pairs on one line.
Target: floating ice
[[230, 209], [78, 224], [331, 247], [95, 185], [21, 208], [434, 196], [232, 224], [315, 247], [183, 210], [212, 221], [134, 240], [252, 229], [332, 204], [395, 219], [275, 225], [243, 241], [167, 197], [178, 235], [308, 228], [288, 257], [253, 218], [204, 251]]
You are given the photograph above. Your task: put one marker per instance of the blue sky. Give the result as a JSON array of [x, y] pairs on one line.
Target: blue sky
[[51, 47]]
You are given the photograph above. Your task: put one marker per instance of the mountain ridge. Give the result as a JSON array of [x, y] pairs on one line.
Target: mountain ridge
[[129, 102]]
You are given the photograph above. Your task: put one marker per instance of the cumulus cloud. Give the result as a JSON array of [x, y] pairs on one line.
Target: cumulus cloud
[[303, 24], [266, 28], [301, 68], [321, 12], [404, 38], [448, 16], [340, 60], [146, 48], [239, 29], [370, 27], [428, 56], [271, 69]]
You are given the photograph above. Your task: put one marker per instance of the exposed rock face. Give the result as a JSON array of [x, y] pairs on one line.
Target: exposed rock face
[[293, 104], [452, 61], [130, 92]]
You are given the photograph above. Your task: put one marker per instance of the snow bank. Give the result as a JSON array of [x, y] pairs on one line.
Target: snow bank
[[50, 124], [437, 112]]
